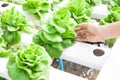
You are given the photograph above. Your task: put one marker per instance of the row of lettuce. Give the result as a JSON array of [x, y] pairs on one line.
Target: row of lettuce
[[32, 61], [56, 33], [57, 30]]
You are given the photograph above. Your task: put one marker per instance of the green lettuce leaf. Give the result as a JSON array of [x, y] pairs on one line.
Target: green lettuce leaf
[[31, 62], [54, 30], [12, 37], [12, 20], [37, 7], [80, 10], [52, 37]]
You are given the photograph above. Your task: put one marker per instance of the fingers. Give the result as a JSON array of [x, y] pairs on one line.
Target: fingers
[[81, 33], [82, 26], [81, 39]]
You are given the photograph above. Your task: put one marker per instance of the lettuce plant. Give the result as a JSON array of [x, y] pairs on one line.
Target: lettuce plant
[[12, 22], [30, 62], [113, 3], [57, 1], [80, 10], [4, 52], [57, 32], [37, 7], [93, 2], [1, 78]]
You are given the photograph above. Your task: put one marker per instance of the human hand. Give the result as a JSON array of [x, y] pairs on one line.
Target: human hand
[[87, 32]]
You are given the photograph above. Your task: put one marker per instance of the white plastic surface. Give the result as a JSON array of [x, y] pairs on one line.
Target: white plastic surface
[[82, 53], [111, 68], [100, 11], [26, 38], [54, 73], [3, 68], [61, 75]]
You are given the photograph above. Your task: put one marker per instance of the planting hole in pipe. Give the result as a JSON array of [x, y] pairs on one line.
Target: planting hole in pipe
[[98, 52], [4, 4]]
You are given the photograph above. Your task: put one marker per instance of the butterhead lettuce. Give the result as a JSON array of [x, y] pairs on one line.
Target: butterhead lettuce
[[30, 62]]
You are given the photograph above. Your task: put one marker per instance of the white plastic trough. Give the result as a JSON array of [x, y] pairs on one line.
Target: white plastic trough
[[82, 53], [55, 74], [111, 68], [100, 11]]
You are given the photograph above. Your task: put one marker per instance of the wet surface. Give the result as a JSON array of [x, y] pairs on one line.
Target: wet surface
[[78, 70]]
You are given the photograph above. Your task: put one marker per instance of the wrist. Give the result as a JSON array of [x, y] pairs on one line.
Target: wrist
[[102, 33], [106, 32]]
